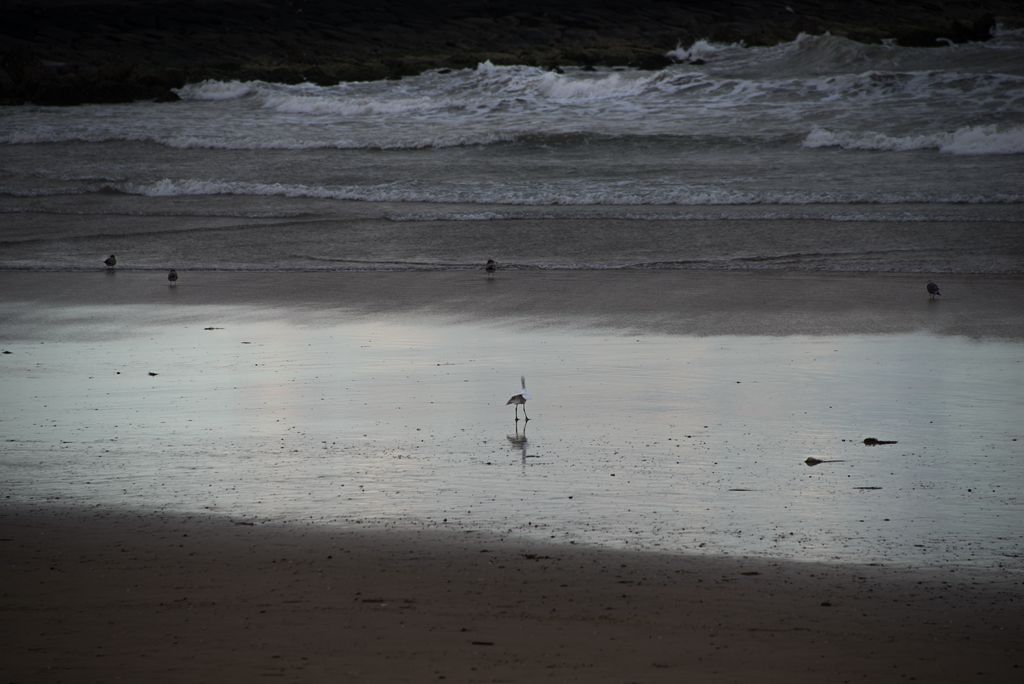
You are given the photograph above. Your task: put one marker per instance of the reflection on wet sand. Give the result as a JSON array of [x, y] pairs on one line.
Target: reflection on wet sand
[[518, 440], [334, 418]]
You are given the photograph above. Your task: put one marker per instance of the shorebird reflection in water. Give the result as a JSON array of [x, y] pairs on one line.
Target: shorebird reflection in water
[[172, 277], [518, 440], [933, 290], [110, 261], [520, 399], [490, 267]]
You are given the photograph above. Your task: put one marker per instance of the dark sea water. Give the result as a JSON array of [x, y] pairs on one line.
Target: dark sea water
[[816, 155]]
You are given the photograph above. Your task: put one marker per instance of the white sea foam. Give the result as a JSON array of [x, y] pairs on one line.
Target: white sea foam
[[167, 187], [985, 140], [565, 193], [615, 85], [702, 49], [971, 140], [327, 103], [214, 91]]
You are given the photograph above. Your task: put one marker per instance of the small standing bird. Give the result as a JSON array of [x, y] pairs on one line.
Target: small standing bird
[[933, 290], [110, 261], [520, 398], [172, 277], [490, 267]]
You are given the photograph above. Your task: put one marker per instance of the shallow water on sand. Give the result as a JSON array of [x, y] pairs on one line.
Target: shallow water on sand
[[652, 441]]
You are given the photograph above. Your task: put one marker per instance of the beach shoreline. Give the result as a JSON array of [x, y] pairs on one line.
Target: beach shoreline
[[664, 302], [94, 595]]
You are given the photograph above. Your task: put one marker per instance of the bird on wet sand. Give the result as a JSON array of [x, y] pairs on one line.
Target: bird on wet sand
[[520, 399], [933, 290], [490, 267], [172, 276], [110, 261]]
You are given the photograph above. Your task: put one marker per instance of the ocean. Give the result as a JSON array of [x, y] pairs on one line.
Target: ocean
[[820, 154]]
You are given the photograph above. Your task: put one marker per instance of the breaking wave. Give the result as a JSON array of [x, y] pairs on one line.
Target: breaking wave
[[853, 95], [703, 50], [972, 140]]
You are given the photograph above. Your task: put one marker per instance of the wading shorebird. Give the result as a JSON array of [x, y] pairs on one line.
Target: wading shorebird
[[172, 277], [490, 267], [110, 261], [933, 290], [520, 398]]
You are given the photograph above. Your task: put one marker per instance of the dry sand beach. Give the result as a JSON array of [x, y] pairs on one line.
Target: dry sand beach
[[319, 483], [108, 596]]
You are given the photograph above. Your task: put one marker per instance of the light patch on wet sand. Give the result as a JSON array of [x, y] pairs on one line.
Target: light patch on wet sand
[[648, 440]]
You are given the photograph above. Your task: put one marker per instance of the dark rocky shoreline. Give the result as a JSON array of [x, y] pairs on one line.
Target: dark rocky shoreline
[[66, 52]]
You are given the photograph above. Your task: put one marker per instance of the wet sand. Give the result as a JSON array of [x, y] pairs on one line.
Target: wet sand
[[319, 487], [95, 596], [671, 302]]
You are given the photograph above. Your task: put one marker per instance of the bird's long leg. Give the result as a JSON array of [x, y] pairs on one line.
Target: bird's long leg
[[517, 412], [524, 412]]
